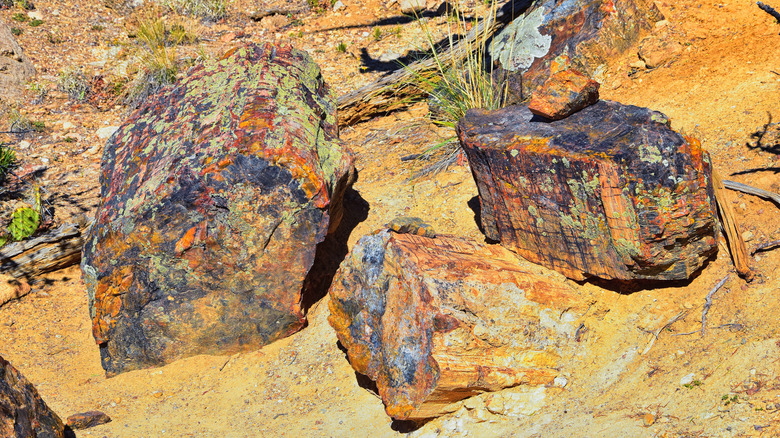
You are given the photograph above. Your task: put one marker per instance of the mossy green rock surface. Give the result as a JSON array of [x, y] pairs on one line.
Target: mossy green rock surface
[[215, 194]]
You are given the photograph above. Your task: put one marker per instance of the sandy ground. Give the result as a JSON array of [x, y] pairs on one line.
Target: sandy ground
[[623, 382]]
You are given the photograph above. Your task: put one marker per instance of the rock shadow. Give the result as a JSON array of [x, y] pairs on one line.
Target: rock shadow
[[476, 207], [332, 251], [627, 287]]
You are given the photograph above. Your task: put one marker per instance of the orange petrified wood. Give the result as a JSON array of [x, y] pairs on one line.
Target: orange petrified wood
[[610, 191], [436, 320]]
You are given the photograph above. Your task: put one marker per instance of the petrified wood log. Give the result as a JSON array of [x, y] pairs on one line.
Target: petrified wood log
[[611, 191], [436, 320], [23, 413], [554, 35], [214, 196]]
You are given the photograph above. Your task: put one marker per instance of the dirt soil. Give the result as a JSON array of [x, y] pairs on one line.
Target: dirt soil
[[636, 375]]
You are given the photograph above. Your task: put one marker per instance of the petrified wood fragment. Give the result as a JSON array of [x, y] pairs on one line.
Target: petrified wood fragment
[[436, 320], [215, 194], [554, 35], [611, 191], [23, 413], [563, 94]]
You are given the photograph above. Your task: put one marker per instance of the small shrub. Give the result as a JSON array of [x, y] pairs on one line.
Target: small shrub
[[39, 92], [75, 84], [16, 31], [209, 10], [7, 160], [157, 60], [97, 28], [20, 17], [27, 5], [54, 36], [377, 34], [341, 47], [35, 22], [458, 84]]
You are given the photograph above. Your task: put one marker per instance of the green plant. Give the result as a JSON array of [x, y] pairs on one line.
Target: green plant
[[20, 17], [24, 4], [727, 400], [35, 22], [377, 34], [16, 31], [54, 36], [459, 81], [693, 384], [75, 84], [157, 59], [97, 28], [24, 222], [38, 90], [210, 10], [7, 160], [341, 47]]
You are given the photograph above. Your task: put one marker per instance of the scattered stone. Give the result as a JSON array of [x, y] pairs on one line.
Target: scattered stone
[[687, 379], [12, 288], [611, 191], [274, 22], [23, 413], [411, 225], [747, 236], [15, 68], [106, 132], [214, 196], [638, 64], [85, 420], [339, 5], [560, 381], [648, 419], [658, 49], [563, 94], [433, 321], [412, 6], [554, 36]]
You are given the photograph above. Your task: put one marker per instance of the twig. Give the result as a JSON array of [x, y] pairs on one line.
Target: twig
[[668, 323], [769, 10], [708, 303], [765, 246], [744, 188]]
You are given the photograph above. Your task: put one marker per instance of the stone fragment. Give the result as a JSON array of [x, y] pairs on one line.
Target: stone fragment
[[15, 68], [85, 420], [214, 196], [435, 320], [553, 35], [563, 94], [610, 191], [412, 6], [658, 49], [23, 413]]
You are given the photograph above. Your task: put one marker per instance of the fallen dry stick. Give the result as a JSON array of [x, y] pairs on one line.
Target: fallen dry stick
[[765, 246], [736, 244], [668, 323], [750, 190]]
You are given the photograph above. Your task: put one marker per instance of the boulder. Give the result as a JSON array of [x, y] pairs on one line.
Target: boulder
[[23, 413], [85, 420], [554, 35], [214, 196], [15, 68], [435, 320], [563, 94], [611, 191]]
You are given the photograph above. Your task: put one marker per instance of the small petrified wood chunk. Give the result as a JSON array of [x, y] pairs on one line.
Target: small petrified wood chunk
[[214, 196], [611, 191], [563, 94], [23, 413], [436, 320]]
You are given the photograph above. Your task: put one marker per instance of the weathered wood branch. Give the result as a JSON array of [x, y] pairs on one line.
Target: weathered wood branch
[[736, 243], [396, 90], [769, 10], [54, 250], [750, 190]]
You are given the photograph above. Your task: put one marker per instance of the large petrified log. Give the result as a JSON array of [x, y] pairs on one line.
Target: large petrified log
[[554, 35], [611, 191], [436, 320], [23, 413], [215, 194]]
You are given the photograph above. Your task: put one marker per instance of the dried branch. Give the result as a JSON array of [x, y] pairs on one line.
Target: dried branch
[[765, 246], [708, 303], [668, 323], [750, 190], [769, 10]]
